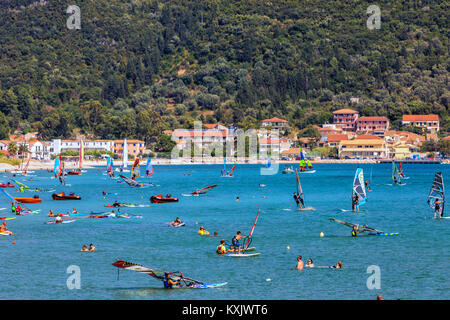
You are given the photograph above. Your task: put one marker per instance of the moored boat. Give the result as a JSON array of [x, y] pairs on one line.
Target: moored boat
[[160, 199], [35, 199], [63, 196]]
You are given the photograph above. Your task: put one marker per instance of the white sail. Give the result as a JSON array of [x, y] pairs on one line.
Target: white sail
[[125, 153], [437, 192], [359, 187]]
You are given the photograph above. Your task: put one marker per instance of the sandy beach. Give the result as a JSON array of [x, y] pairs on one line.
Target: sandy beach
[[48, 165]]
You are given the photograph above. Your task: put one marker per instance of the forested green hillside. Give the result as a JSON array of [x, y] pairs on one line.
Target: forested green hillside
[[136, 68]]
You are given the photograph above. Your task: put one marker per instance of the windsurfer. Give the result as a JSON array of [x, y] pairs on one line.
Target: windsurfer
[[355, 231], [235, 241], [355, 202], [168, 282], [437, 208]]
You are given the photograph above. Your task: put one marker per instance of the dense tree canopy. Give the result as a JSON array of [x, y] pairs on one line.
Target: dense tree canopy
[[137, 68]]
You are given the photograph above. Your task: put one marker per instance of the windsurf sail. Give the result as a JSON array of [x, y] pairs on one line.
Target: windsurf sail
[[437, 192], [26, 166], [299, 189], [156, 273], [231, 171], [268, 163], [109, 165], [20, 184], [358, 187], [149, 167], [363, 228], [135, 170], [57, 167], [249, 237], [396, 174], [125, 154], [400, 170], [204, 190], [8, 196], [131, 182], [304, 162], [81, 154]]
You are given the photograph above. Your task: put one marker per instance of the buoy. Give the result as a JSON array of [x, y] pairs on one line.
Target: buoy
[[14, 242], [288, 247], [268, 279], [321, 234], [196, 222]]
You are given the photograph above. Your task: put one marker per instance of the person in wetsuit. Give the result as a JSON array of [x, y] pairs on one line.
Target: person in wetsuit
[[437, 208]]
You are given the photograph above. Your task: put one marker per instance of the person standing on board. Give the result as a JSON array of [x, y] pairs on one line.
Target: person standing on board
[[235, 241], [437, 208], [355, 205]]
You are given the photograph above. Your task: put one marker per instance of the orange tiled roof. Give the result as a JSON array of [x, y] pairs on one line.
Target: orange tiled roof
[[345, 111], [337, 137], [420, 117], [275, 119], [368, 136]]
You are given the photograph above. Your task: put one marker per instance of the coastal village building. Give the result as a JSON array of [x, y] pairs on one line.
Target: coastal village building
[[363, 149], [427, 121], [345, 119], [59, 145], [375, 125], [275, 123], [333, 140], [134, 147], [273, 146]]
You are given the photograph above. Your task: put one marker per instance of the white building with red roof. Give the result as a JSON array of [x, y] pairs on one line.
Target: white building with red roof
[[426, 121]]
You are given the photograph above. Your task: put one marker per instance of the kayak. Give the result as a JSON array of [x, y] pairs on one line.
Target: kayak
[[28, 200], [74, 173], [54, 222], [160, 199], [129, 205], [8, 185], [63, 196], [202, 286], [5, 219], [5, 234]]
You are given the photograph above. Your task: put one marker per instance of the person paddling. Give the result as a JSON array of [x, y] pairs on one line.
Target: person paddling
[[4, 229]]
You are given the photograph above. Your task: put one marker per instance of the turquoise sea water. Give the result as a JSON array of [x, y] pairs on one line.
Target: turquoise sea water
[[412, 264]]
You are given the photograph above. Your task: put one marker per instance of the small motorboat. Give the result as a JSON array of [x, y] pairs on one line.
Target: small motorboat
[[160, 199], [35, 199], [63, 196], [288, 170], [74, 173]]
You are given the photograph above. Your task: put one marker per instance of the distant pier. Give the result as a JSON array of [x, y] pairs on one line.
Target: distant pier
[[413, 161]]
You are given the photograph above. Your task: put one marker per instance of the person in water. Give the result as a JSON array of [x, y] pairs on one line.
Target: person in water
[[235, 241], [300, 263], [355, 231], [237, 199], [221, 249], [116, 204], [367, 185], [337, 266], [176, 222], [4, 229], [437, 208], [74, 210], [309, 263], [84, 248], [168, 282], [202, 231], [104, 193], [215, 234], [18, 210], [13, 207], [58, 219], [92, 247], [395, 180]]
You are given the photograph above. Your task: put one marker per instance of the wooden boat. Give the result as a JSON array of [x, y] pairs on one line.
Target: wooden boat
[[63, 196], [35, 199], [160, 199]]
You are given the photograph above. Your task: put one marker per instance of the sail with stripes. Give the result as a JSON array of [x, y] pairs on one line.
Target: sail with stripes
[[358, 187], [149, 167], [396, 176], [249, 237], [81, 154], [437, 192]]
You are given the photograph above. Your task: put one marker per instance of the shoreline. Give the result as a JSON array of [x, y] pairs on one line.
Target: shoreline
[[48, 165]]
